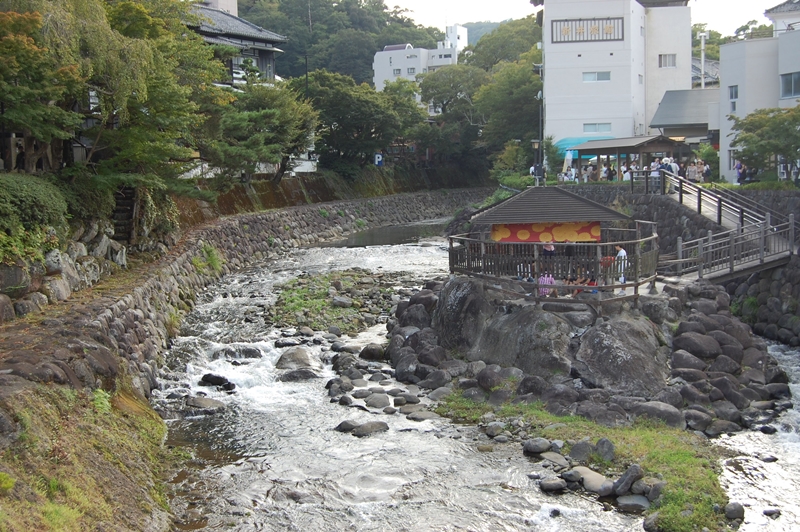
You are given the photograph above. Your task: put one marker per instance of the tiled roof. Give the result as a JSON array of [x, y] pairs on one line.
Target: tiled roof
[[547, 204], [216, 22], [789, 5]]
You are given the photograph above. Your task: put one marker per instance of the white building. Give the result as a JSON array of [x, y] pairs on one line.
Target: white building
[[404, 61], [759, 74], [608, 63]]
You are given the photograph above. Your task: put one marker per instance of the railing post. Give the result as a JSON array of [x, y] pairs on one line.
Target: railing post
[[719, 210], [710, 249], [791, 234], [732, 250], [761, 232], [741, 218], [768, 232], [483, 257], [647, 183], [450, 254], [700, 259], [680, 256], [663, 182], [535, 269], [699, 200], [680, 192]]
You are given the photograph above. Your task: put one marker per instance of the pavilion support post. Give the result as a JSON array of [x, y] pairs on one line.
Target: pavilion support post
[[680, 255], [761, 232], [483, 257], [536, 272], [637, 258], [791, 234]]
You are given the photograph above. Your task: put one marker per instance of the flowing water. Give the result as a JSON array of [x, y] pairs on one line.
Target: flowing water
[[273, 462]]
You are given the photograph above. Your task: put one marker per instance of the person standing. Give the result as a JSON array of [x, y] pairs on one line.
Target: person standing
[[621, 262], [545, 280], [691, 173]]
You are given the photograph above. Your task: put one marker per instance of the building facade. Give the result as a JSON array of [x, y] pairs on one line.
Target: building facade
[[404, 61], [608, 63], [759, 74]]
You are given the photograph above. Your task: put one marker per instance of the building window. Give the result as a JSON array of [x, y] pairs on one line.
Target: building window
[[597, 128], [411, 70], [790, 85], [733, 95], [596, 76], [731, 159], [667, 60], [397, 71], [448, 55]]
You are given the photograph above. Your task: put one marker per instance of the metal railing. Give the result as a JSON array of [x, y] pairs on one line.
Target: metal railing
[[761, 210], [595, 262], [728, 251]]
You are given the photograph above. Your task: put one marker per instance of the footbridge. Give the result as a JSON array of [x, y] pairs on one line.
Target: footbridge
[[755, 238]]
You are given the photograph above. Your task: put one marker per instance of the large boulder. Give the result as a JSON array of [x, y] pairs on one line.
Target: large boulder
[[296, 358], [619, 355], [415, 316], [661, 411], [700, 345]]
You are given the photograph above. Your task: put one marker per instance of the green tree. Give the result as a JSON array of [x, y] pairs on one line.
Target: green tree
[[507, 43], [511, 103], [765, 134], [453, 90], [266, 124], [713, 42], [30, 82], [354, 121]]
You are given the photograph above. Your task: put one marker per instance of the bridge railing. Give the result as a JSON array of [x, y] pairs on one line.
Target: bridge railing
[[765, 212], [728, 250], [705, 199]]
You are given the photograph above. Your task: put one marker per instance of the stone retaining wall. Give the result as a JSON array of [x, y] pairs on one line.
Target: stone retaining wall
[[107, 338]]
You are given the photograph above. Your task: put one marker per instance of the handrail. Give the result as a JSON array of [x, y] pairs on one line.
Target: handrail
[[705, 197], [776, 217]]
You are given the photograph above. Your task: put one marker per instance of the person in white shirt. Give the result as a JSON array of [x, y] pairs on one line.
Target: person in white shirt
[[621, 263]]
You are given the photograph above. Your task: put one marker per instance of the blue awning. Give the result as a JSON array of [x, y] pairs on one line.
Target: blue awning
[[570, 142]]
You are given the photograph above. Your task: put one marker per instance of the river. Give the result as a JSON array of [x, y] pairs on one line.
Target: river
[[273, 462]]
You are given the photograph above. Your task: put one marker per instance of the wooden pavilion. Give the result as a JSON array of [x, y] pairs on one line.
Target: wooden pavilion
[[643, 148], [551, 230]]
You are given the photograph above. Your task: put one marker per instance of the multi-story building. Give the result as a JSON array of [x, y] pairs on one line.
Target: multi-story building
[[608, 63], [759, 73], [404, 61]]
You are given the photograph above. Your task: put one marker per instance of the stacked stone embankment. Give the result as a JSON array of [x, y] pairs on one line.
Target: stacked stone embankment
[[98, 341]]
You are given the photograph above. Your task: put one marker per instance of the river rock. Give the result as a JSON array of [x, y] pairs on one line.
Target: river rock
[[684, 359], [618, 355], [633, 504], [697, 420], [341, 301], [377, 400], [440, 393], [734, 510], [296, 358], [532, 385], [555, 458], [372, 352], [536, 445], [661, 411], [210, 379], [488, 379], [605, 448], [475, 394], [435, 379], [347, 425], [550, 485], [369, 428], [406, 367], [697, 344], [721, 426], [581, 451], [724, 364], [631, 475], [421, 415], [455, 368], [205, 405], [298, 375]]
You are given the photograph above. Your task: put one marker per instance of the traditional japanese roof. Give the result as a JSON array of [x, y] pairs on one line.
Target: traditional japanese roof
[[711, 71], [789, 5], [663, 3], [213, 22], [547, 204], [686, 108]]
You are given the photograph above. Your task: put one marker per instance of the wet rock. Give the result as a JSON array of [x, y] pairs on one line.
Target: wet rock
[[347, 425], [475, 394], [296, 358], [205, 405], [369, 428], [455, 368], [734, 510], [287, 342], [699, 345], [436, 379], [422, 415], [550, 485], [536, 445], [555, 458], [495, 428], [697, 420], [684, 359], [377, 400], [298, 375], [721, 426], [372, 352], [440, 393], [533, 385], [633, 504], [724, 364], [210, 379], [488, 379], [342, 301]]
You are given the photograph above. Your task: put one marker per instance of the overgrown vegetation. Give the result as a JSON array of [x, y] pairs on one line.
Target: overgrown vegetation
[[687, 463], [56, 475], [307, 301], [209, 259]]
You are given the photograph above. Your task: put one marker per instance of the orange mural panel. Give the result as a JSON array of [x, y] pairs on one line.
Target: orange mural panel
[[559, 232]]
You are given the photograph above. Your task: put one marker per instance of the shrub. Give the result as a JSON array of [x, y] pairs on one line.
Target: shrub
[[30, 202], [6, 483], [101, 401]]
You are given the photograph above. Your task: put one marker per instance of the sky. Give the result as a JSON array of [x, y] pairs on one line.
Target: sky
[[723, 16]]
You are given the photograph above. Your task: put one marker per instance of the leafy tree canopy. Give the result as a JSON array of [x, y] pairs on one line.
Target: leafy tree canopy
[[766, 133], [507, 43]]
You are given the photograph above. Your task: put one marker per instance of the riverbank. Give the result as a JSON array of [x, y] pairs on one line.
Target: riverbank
[[111, 337]]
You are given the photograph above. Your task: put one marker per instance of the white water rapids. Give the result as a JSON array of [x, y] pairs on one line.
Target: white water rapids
[[273, 462]]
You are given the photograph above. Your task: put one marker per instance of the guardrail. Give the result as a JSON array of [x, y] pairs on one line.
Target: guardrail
[[728, 250], [765, 212]]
